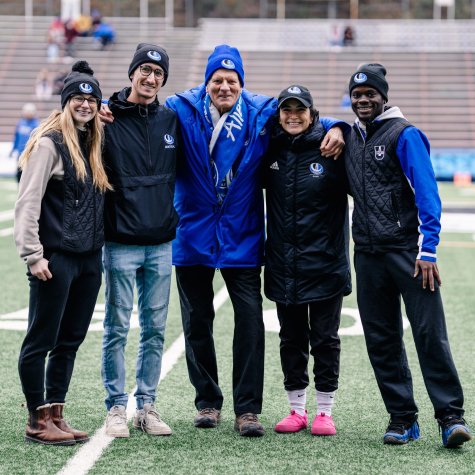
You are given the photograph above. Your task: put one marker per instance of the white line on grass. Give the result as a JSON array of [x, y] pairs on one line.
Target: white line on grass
[[90, 453], [7, 215], [6, 232]]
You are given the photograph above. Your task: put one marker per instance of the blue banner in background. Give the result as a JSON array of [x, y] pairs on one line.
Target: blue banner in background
[[448, 161]]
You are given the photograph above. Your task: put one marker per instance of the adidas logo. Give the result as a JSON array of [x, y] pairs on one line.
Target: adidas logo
[[274, 166]]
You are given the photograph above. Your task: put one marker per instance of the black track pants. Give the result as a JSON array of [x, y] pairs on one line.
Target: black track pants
[[381, 279], [195, 285], [60, 311], [315, 324]]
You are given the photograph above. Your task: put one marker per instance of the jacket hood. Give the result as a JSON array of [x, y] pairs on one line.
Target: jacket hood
[[390, 112], [118, 103]]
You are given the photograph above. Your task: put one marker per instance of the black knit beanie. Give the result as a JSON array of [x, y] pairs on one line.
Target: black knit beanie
[[146, 53], [81, 80], [371, 75]]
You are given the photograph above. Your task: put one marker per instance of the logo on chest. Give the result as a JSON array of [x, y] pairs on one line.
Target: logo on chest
[[316, 169], [169, 140], [379, 151]]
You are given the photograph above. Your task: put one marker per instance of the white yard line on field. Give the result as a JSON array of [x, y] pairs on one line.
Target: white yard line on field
[[91, 452], [7, 215], [6, 232]]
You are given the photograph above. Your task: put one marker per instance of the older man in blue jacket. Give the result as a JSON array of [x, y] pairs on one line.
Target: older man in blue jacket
[[225, 131]]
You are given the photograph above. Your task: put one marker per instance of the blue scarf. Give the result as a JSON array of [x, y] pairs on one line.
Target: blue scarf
[[230, 142]]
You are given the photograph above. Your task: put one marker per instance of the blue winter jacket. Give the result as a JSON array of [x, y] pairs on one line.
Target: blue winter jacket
[[22, 133], [232, 235]]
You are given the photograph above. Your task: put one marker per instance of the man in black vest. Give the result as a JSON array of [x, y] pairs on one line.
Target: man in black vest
[[396, 225], [139, 225]]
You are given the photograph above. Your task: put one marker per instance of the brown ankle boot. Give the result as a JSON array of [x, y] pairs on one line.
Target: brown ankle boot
[[57, 416], [42, 430]]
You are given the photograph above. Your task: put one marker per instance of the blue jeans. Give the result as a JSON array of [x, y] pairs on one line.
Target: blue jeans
[[151, 268]]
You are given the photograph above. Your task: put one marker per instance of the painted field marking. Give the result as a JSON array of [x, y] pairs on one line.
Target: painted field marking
[[7, 215], [89, 453], [6, 232]]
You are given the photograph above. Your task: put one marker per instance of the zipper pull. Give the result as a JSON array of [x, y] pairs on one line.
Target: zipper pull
[[399, 223], [77, 203]]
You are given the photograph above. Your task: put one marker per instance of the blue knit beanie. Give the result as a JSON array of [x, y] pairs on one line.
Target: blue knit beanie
[[226, 57]]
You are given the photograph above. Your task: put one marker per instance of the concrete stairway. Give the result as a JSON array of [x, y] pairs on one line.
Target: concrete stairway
[[23, 55]]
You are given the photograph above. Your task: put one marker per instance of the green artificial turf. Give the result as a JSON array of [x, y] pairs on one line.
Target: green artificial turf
[[359, 413]]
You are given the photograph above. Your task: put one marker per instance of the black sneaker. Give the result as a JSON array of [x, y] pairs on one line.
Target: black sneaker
[[207, 418], [401, 430], [454, 431]]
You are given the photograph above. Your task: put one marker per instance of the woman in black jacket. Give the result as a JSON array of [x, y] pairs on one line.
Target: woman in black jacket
[[307, 266], [59, 234]]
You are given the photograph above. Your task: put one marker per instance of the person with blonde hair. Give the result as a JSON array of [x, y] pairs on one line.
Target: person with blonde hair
[[59, 234]]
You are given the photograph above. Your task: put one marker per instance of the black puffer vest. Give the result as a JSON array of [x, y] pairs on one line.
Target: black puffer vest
[[306, 250], [71, 217], [385, 217]]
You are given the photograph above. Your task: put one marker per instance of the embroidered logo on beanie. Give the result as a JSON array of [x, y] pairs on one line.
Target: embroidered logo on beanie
[[294, 90], [155, 55], [86, 88], [360, 77], [228, 64]]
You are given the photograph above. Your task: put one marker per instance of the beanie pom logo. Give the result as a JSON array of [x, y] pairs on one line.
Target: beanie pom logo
[[360, 77], [294, 90], [155, 55], [228, 64], [86, 88]]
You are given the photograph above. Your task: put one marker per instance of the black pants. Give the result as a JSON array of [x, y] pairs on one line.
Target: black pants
[[315, 323], [195, 285], [60, 312], [381, 279]]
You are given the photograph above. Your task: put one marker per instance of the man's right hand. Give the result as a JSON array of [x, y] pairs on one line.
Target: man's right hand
[[40, 269], [105, 114]]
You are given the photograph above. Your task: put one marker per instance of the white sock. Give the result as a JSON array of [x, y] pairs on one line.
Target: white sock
[[325, 402], [297, 400]]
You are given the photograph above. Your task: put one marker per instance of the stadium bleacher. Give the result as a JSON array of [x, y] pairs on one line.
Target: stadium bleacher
[[434, 89]]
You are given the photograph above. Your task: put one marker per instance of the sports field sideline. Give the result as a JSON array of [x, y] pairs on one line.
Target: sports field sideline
[[359, 413]]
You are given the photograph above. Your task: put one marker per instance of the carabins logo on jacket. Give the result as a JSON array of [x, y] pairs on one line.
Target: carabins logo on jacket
[[379, 152], [316, 169], [169, 140]]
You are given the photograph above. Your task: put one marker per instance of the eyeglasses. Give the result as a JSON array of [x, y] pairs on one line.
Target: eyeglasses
[[80, 100], [147, 70]]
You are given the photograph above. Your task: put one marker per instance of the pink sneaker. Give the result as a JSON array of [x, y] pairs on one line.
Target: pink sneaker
[[323, 425], [292, 423]]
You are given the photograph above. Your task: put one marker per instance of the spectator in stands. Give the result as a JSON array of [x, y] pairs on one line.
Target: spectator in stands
[[23, 130], [307, 269], [59, 235], [44, 86], [83, 25], [96, 19], [396, 225], [70, 35], [54, 38], [140, 221], [348, 36], [104, 34], [345, 103], [58, 83]]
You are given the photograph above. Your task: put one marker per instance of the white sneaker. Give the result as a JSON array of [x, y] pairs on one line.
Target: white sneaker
[[149, 421], [116, 422]]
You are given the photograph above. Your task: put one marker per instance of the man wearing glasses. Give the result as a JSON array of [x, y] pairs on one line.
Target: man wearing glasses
[[139, 225]]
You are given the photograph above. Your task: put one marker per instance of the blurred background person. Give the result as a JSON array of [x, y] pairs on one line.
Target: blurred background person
[[58, 82], [43, 87], [70, 35], [104, 34], [23, 130], [348, 36], [83, 25]]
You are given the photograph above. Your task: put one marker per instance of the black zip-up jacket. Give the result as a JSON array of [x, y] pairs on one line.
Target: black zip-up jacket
[[306, 250], [385, 218], [140, 158], [71, 218]]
